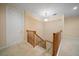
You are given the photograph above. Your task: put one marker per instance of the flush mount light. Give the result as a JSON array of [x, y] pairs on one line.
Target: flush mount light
[[75, 8], [54, 14], [46, 20]]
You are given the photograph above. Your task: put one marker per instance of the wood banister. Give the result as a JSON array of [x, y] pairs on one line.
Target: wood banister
[[34, 39], [30, 31], [42, 42], [56, 42], [39, 37], [31, 38], [35, 34], [49, 41]]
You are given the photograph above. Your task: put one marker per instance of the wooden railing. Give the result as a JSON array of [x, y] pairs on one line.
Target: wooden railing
[[31, 37], [34, 39], [56, 42], [49, 41], [39, 41]]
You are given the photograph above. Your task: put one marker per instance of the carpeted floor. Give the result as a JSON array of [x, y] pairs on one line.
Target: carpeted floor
[[24, 49]]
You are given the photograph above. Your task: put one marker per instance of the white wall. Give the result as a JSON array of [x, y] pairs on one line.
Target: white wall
[[70, 43], [31, 23], [71, 28], [55, 25], [14, 25], [2, 25]]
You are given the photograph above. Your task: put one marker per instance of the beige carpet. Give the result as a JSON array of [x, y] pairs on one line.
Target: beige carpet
[[24, 49]]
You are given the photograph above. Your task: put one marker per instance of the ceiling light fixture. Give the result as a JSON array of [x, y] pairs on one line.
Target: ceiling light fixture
[[45, 19], [75, 8], [46, 15]]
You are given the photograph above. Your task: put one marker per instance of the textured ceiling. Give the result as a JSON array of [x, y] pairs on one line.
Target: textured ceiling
[[43, 10]]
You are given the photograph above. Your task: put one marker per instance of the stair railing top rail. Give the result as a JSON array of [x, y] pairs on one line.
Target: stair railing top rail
[[39, 37], [49, 41], [30, 31], [35, 34]]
